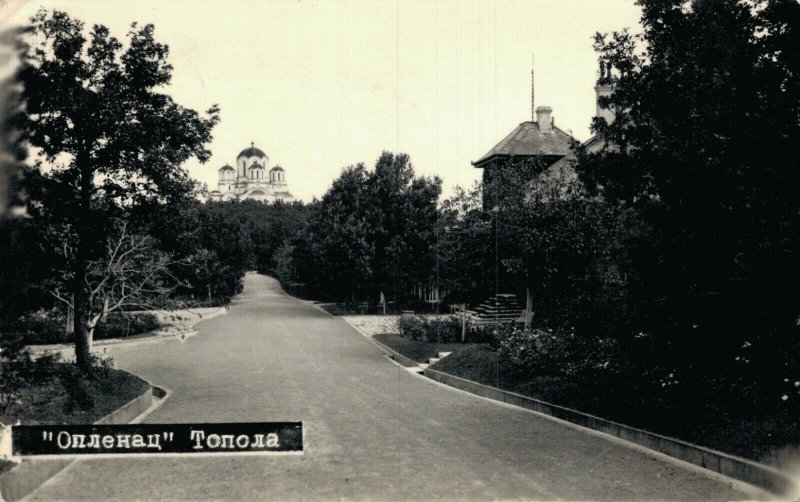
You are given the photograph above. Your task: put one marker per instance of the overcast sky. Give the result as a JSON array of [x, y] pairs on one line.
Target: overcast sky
[[319, 85]]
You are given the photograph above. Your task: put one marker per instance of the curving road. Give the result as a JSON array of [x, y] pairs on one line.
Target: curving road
[[373, 430]]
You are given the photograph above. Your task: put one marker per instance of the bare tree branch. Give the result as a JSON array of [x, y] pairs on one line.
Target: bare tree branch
[[133, 273]]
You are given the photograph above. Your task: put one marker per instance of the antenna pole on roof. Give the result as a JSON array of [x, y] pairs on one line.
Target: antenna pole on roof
[[533, 103]]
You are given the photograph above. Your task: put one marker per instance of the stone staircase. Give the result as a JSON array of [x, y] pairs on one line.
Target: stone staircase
[[498, 308], [420, 368]]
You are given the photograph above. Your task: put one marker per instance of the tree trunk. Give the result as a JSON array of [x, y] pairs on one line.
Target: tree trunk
[[69, 326], [83, 334]]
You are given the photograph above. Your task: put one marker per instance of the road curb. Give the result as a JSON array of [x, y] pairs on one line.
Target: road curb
[[31, 473], [713, 463], [740, 469], [400, 358]]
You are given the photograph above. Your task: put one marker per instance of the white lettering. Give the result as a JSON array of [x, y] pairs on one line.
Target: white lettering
[[78, 441], [94, 441], [124, 441], [154, 441], [65, 435], [213, 441], [258, 441], [197, 436], [242, 444], [227, 441]]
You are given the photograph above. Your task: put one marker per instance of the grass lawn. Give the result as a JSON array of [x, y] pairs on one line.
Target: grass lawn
[[420, 351], [73, 400], [752, 438]]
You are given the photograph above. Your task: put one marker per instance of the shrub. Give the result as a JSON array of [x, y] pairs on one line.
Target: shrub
[[545, 352], [49, 326], [15, 362], [41, 327], [488, 333], [122, 324], [447, 330], [534, 351], [413, 326]]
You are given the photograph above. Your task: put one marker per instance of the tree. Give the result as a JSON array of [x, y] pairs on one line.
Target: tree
[[132, 273], [271, 226], [284, 264], [338, 234], [569, 251], [212, 239], [402, 220], [466, 247], [373, 231], [704, 146], [98, 114]]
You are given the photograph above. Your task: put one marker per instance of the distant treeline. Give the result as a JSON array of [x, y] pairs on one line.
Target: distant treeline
[[212, 245]]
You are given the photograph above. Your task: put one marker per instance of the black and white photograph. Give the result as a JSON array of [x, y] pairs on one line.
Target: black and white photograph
[[390, 250]]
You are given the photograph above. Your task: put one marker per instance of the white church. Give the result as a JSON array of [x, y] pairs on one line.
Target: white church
[[251, 180]]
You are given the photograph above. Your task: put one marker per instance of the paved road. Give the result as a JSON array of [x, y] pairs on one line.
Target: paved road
[[373, 430]]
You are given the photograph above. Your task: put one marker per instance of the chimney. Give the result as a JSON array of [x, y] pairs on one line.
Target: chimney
[[543, 118], [604, 88]]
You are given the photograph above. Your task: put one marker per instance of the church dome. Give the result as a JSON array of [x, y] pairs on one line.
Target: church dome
[[251, 152], [276, 168], [226, 167], [255, 165]]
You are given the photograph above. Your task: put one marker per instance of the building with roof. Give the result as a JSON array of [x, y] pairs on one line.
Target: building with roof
[[251, 180], [531, 147], [538, 140], [543, 150], [563, 171]]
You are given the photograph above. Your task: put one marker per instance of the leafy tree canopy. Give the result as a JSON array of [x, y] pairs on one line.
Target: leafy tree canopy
[[704, 145], [98, 111]]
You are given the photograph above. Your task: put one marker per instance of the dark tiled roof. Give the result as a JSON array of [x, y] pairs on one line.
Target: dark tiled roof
[[276, 168], [528, 140], [251, 152], [226, 167]]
